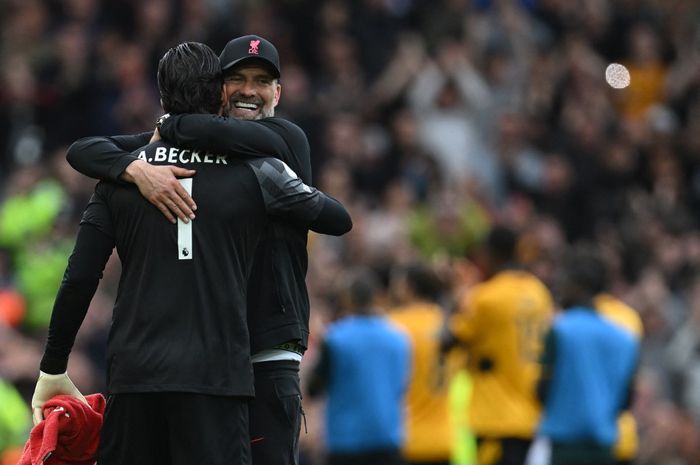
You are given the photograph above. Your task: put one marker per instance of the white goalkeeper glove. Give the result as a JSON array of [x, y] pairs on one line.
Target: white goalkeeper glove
[[48, 386]]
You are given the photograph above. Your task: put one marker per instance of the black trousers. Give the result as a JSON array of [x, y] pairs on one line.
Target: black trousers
[[174, 428], [276, 413]]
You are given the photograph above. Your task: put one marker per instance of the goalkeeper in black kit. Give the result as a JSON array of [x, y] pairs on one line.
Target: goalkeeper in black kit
[[179, 367]]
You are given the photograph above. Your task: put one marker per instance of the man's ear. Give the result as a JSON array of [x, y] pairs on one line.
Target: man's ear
[[278, 94]]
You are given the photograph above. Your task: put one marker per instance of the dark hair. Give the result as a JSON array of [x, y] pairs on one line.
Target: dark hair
[[422, 280], [362, 286], [189, 79], [501, 242], [585, 267]]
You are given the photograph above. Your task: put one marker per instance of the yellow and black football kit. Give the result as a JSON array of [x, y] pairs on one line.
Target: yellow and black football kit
[[428, 432], [503, 322], [626, 317]]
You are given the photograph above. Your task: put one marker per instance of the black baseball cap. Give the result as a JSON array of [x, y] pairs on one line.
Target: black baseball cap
[[250, 47]]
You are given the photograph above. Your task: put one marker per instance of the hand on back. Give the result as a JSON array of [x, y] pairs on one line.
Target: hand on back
[[159, 185]]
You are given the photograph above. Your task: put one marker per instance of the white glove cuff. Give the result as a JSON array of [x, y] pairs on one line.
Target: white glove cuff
[[48, 376]]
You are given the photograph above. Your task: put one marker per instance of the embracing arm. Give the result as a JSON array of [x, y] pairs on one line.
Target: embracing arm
[[269, 137], [286, 196], [105, 157], [110, 158], [314, 210], [333, 218]]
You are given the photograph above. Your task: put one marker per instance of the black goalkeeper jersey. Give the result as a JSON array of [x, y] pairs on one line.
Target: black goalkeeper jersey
[[179, 321], [278, 302]]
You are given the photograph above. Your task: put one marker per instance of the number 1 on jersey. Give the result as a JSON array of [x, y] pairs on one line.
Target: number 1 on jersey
[[184, 230]]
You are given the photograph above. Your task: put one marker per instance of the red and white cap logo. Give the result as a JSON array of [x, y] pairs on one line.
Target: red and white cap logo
[[253, 50]]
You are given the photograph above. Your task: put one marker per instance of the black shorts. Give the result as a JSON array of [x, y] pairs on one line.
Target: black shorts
[[502, 451], [173, 428], [275, 413]]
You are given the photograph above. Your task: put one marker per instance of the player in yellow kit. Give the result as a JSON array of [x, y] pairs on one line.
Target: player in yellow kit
[[502, 322], [626, 317], [429, 436]]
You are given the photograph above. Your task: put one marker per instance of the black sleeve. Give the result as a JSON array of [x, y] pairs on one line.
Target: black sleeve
[[333, 218], [269, 137], [320, 373], [105, 157], [286, 196], [92, 250], [547, 363]]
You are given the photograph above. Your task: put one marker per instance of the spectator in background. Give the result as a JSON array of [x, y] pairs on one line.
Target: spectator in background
[[683, 354], [429, 437], [446, 97], [647, 71], [501, 322], [588, 368], [364, 369]]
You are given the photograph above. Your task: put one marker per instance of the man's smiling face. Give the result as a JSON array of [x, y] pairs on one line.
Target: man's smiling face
[[251, 92]]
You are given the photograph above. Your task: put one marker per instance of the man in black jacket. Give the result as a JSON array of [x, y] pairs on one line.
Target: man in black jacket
[[179, 366], [278, 304]]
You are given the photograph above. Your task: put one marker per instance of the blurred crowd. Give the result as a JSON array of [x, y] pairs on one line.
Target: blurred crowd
[[431, 120]]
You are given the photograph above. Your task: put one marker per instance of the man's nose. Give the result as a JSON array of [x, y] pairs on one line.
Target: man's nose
[[247, 89]]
